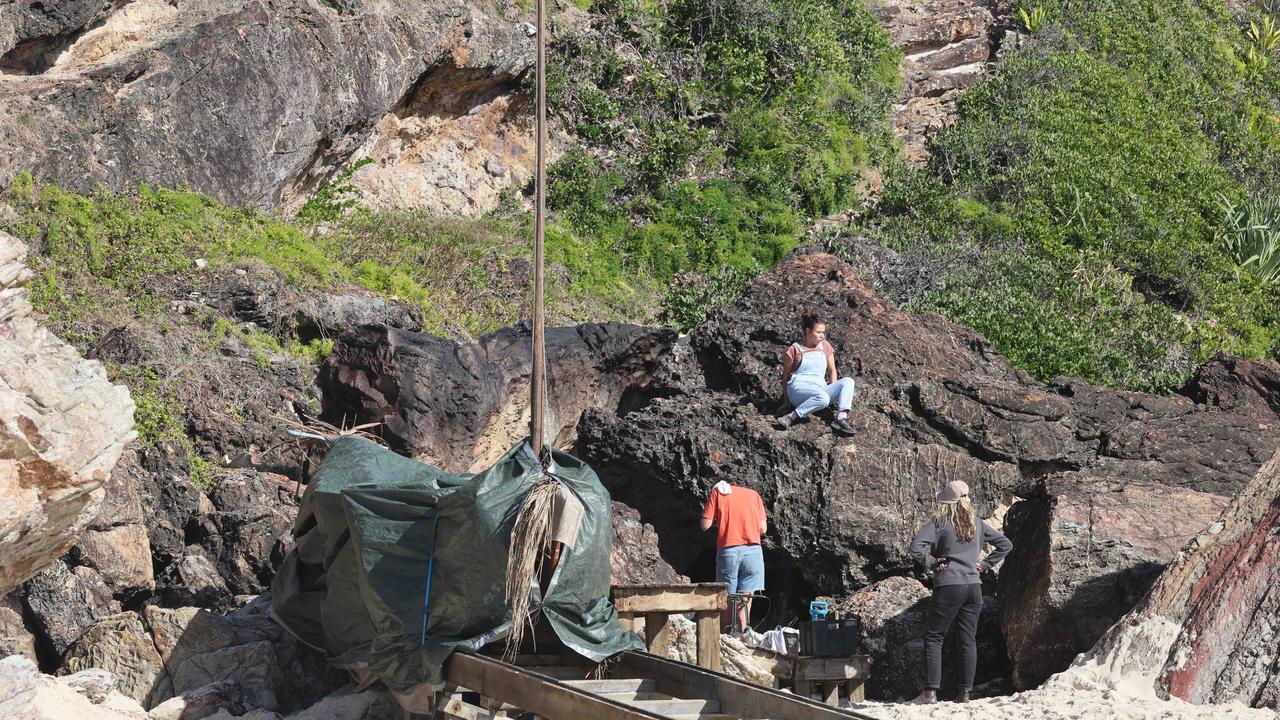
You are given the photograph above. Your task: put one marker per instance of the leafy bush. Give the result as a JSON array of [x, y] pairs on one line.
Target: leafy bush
[[1087, 175], [693, 294], [730, 127]]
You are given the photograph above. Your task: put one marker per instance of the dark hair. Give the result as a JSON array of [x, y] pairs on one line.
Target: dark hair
[[808, 319]]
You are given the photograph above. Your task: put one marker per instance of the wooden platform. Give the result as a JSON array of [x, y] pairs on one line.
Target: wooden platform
[[634, 686]]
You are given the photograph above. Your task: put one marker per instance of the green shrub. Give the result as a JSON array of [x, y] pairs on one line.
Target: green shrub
[[1086, 179], [693, 294]]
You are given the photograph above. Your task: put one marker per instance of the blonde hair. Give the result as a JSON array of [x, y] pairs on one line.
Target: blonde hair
[[961, 516]]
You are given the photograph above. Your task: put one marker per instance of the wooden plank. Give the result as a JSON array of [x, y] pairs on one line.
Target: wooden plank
[[677, 706], [657, 632], [630, 621], [857, 666], [620, 685], [539, 695], [709, 639], [560, 672], [670, 598], [737, 698], [831, 692]]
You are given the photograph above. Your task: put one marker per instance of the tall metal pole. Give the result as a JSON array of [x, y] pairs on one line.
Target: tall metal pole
[[538, 379]]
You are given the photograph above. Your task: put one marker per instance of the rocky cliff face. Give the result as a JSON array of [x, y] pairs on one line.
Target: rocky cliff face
[[947, 45], [63, 426], [1209, 623], [256, 102]]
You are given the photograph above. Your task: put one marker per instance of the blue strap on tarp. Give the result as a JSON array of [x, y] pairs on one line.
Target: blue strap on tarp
[[426, 593]]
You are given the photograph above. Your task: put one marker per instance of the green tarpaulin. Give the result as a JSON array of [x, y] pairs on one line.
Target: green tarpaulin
[[397, 563]]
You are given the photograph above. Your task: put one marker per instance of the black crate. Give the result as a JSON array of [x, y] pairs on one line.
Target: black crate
[[829, 638]]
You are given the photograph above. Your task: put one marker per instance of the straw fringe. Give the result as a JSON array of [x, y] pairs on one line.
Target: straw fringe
[[531, 533]]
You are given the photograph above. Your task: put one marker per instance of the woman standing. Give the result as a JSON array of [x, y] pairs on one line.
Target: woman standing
[[950, 542], [809, 379]]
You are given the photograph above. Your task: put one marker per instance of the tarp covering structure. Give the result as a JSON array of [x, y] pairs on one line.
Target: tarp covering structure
[[397, 563]]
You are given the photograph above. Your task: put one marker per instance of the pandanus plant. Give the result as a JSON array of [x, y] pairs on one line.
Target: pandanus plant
[[1252, 236]]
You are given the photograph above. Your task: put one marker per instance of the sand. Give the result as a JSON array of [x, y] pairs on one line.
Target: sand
[[1114, 682]]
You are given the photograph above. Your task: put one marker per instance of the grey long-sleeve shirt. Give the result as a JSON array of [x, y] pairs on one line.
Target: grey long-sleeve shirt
[[933, 543]]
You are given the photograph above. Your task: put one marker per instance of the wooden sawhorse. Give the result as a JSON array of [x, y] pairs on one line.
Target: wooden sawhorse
[[656, 604]]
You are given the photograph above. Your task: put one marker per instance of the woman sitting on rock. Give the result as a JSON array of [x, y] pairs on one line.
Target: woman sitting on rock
[[806, 368], [950, 542]]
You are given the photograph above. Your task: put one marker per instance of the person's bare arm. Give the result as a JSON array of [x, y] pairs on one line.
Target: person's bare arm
[[764, 521], [788, 367], [705, 524], [831, 367]]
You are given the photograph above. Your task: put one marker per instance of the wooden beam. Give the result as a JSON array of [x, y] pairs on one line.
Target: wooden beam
[[857, 666], [670, 598], [537, 694], [737, 698]]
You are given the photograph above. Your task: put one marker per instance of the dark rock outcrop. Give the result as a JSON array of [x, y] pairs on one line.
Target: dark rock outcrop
[[250, 101], [62, 603], [1244, 387], [461, 406], [935, 403]]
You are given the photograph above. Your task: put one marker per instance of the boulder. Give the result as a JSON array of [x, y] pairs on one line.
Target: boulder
[[121, 645], [1082, 558], [63, 426], [461, 406], [250, 667], [25, 694], [223, 697], [15, 638], [373, 704], [247, 647], [56, 589], [891, 616], [634, 557], [254, 522], [121, 555], [195, 580]]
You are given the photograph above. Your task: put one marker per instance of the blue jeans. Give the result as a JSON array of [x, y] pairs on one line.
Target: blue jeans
[[742, 566], [808, 398]]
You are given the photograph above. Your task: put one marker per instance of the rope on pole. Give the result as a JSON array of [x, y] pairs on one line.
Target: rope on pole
[[538, 378]]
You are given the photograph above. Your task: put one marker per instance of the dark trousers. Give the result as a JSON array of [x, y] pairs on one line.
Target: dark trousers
[[959, 604]]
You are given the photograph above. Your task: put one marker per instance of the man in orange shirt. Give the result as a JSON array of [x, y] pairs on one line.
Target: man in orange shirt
[[738, 514]]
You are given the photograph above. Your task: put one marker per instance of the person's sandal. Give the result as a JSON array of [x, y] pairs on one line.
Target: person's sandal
[[843, 427], [783, 423]]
